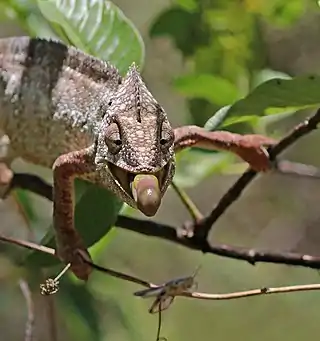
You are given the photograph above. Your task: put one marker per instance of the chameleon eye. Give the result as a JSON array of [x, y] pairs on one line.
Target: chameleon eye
[[113, 138], [167, 137]]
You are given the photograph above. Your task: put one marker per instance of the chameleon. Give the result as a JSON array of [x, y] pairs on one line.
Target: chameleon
[[74, 113]]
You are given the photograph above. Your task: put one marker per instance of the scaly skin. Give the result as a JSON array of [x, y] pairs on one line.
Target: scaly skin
[[66, 110]]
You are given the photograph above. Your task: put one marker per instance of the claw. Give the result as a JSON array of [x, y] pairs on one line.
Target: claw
[[79, 267]]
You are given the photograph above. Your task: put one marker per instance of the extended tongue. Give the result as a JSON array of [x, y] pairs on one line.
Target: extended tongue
[[146, 192]]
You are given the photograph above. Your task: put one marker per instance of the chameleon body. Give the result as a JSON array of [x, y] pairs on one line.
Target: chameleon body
[[74, 113]]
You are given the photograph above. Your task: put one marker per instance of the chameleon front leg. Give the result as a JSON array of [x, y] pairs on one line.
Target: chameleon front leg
[[251, 148], [65, 169]]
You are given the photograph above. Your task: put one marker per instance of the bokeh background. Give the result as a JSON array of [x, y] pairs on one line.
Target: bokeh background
[[241, 43]]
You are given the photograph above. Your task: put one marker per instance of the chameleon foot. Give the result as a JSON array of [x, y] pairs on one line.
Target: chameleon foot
[[80, 269], [70, 252]]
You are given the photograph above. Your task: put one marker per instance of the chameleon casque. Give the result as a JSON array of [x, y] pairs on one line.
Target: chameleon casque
[[74, 113]]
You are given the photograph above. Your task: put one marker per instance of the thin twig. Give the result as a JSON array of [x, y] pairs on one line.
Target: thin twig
[[28, 336], [296, 169], [120, 275], [195, 295], [28, 245], [188, 203], [253, 292], [50, 251]]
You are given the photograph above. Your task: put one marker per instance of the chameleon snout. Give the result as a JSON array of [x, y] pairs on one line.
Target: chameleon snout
[[146, 193]]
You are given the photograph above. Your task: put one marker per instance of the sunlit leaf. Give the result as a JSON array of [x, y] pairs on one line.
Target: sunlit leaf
[[217, 119], [274, 97], [265, 75], [211, 87], [189, 5], [99, 28], [31, 19], [284, 13], [279, 95]]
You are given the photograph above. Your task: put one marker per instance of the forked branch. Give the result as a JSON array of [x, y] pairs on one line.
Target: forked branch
[[201, 229], [194, 234]]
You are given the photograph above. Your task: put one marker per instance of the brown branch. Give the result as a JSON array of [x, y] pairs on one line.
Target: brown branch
[[169, 233], [198, 239], [202, 228], [32, 183], [30, 309], [153, 229], [188, 294]]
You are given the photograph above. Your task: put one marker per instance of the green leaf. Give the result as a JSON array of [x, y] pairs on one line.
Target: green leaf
[[83, 305], [250, 119], [96, 211], [187, 29], [38, 26], [194, 165], [31, 20], [99, 28], [217, 119], [265, 75], [285, 13], [279, 95], [189, 5], [216, 89], [24, 200], [275, 96], [7, 12]]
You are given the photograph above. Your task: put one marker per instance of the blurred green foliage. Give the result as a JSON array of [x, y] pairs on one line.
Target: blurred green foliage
[[223, 54], [227, 82], [224, 57]]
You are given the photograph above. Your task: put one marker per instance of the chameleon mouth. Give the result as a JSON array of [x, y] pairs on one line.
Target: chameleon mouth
[[144, 188]]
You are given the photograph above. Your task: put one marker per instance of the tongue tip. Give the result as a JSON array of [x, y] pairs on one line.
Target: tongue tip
[[149, 208], [146, 193]]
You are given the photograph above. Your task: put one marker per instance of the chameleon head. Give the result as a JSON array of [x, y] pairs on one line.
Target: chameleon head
[[135, 145]]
